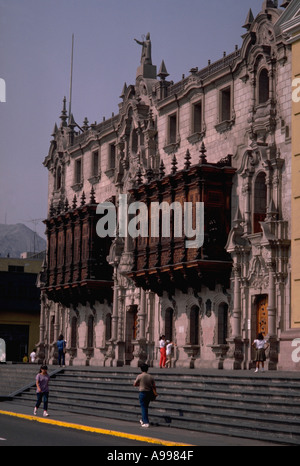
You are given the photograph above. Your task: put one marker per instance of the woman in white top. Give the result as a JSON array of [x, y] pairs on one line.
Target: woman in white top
[[260, 345]]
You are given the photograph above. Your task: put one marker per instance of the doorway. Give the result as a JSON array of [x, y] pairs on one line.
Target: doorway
[[262, 315], [16, 338], [131, 332]]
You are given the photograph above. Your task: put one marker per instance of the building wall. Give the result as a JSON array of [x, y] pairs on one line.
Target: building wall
[[257, 136], [295, 194], [19, 305]]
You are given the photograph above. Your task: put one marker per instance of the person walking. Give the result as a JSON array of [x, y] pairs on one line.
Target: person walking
[[260, 345], [61, 345], [42, 390], [146, 384], [162, 349]]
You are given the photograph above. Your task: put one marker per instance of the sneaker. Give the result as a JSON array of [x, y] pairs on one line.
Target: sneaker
[[45, 414], [141, 422], [145, 425], [256, 370], [35, 411]]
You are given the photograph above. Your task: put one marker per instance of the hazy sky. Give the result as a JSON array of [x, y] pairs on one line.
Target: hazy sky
[[35, 56]]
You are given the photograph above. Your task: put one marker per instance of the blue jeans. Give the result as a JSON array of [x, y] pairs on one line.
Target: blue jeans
[[61, 357], [40, 396], [144, 402]]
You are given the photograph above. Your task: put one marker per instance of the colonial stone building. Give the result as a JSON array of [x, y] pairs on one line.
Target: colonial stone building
[[221, 136]]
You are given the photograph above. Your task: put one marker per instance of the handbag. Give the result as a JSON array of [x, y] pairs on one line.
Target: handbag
[[153, 394]]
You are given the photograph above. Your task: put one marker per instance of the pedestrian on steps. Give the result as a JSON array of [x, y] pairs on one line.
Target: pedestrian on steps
[[147, 388], [42, 390]]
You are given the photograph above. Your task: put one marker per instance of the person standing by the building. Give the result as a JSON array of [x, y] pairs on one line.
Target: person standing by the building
[[162, 349], [33, 356], [260, 345], [169, 349], [42, 390], [61, 346], [146, 384]]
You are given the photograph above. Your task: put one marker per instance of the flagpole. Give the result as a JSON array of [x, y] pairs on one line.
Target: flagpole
[[71, 78]]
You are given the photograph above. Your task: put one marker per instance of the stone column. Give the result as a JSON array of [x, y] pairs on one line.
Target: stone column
[[271, 301], [272, 335], [41, 356], [114, 320], [246, 190], [235, 354], [142, 316]]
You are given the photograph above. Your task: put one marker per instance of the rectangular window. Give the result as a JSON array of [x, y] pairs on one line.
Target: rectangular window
[[225, 104], [172, 128], [197, 117], [78, 171], [112, 156], [95, 163]]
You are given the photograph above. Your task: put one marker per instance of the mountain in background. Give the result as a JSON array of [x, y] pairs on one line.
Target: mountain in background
[[15, 239]]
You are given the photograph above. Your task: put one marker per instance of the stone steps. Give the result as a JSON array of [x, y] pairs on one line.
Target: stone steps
[[260, 406]]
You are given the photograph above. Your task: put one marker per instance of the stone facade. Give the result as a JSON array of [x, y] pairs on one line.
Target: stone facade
[[237, 109]]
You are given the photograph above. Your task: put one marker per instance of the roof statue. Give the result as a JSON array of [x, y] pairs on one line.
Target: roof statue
[[146, 50], [146, 69]]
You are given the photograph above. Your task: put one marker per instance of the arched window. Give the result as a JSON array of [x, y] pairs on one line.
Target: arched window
[[260, 202], [263, 86], [194, 326]]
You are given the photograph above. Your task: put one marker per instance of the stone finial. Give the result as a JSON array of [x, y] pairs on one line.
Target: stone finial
[[92, 196], [163, 74], [74, 202], [82, 203], [55, 129], [203, 154], [66, 207], [72, 123], [64, 115], [123, 91], [249, 20], [85, 125], [187, 160], [174, 165], [162, 171]]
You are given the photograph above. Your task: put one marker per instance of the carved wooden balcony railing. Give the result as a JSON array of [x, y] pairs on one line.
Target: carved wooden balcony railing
[[165, 264], [77, 270]]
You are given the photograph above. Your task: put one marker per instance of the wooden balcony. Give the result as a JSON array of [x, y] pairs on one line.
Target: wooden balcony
[[164, 263], [77, 270]]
